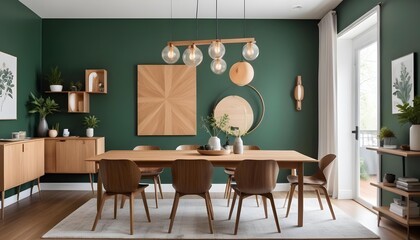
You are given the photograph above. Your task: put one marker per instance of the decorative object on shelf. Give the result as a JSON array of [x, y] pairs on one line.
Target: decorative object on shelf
[[55, 80], [96, 80], [44, 107], [162, 87], [388, 137], [389, 179], [53, 132], [8, 89], [299, 93], [402, 81], [90, 122], [76, 86], [411, 114], [66, 132], [193, 56], [238, 144], [213, 127]]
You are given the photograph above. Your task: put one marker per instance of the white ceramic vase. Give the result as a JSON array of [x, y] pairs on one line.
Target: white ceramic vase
[[52, 133], [415, 137], [56, 88], [89, 132], [214, 143], [238, 146]]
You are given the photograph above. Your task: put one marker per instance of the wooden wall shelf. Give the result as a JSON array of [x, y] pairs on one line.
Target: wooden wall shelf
[[96, 81]]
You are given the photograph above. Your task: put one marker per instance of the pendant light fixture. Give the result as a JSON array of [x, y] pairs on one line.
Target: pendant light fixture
[[170, 54], [193, 56], [250, 50], [217, 51]]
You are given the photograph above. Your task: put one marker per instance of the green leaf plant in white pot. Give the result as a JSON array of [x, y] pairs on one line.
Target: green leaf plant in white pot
[[55, 80], [411, 114], [387, 136], [90, 122]]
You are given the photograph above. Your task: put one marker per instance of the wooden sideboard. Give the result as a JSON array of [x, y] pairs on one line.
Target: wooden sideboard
[[68, 154], [20, 162]]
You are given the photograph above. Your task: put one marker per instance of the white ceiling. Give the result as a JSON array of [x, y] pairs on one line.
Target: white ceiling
[[255, 9]]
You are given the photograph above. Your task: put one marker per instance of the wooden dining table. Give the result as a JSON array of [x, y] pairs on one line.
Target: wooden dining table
[[288, 159]]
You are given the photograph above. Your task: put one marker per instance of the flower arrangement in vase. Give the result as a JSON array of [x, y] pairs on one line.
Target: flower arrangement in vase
[[238, 144], [213, 127]]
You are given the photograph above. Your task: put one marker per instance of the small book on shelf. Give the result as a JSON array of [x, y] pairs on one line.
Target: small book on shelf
[[401, 202], [409, 188], [402, 210], [408, 183], [407, 179]]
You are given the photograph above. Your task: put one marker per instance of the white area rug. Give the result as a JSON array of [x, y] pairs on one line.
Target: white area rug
[[191, 222]]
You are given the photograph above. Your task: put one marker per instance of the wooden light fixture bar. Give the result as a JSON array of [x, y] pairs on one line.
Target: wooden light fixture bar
[[209, 41]]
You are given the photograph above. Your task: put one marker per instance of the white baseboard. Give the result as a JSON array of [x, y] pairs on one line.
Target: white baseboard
[[219, 187], [23, 194], [345, 194]]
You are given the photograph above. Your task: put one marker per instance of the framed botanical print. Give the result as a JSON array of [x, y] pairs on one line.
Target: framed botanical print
[[402, 81], [8, 89]]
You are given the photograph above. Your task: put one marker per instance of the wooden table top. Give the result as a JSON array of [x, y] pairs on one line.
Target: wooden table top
[[166, 157]]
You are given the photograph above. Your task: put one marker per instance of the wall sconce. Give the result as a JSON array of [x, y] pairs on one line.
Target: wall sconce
[[299, 93]]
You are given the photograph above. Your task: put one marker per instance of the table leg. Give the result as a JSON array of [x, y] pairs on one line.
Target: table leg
[[300, 194], [98, 191]]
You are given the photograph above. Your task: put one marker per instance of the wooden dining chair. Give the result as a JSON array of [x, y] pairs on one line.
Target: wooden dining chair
[[187, 147], [121, 177], [192, 177], [255, 177], [231, 171], [150, 173], [317, 181]]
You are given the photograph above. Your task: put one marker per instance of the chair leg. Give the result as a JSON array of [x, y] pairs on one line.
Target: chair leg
[[264, 200], [273, 207], [229, 192], [131, 213], [91, 182], [160, 187], [122, 201], [328, 201], [210, 205], [292, 190], [98, 214], [238, 214], [233, 205], [227, 186], [115, 205], [319, 199], [175, 206], [156, 191], [256, 198], [146, 208], [209, 212], [286, 198]]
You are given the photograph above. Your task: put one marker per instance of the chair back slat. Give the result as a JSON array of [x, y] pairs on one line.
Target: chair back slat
[[187, 147], [146, 147], [323, 163], [256, 176], [119, 176], [192, 176], [251, 147]]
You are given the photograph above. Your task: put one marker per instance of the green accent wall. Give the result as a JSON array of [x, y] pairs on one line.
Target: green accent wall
[[399, 37], [21, 37], [287, 48]]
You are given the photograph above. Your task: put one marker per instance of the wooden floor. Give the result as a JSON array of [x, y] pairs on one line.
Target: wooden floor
[[31, 217]]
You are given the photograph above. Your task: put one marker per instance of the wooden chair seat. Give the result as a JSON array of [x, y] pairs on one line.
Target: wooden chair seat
[[316, 181], [150, 171], [121, 177]]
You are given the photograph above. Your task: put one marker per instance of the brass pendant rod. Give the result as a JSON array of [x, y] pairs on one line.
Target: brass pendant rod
[[209, 41]]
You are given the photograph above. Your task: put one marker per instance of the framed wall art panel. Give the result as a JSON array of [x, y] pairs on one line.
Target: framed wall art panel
[[8, 89]]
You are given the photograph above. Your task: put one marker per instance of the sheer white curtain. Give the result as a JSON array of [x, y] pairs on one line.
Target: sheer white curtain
[[327, 101]]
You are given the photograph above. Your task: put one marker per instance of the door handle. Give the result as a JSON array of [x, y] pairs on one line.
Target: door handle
[[356, 132]]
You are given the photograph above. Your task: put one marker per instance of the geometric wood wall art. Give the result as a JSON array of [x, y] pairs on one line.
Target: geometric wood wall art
[[166, 100]]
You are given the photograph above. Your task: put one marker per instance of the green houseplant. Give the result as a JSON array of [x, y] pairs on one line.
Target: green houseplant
[[386, 135], [213, 127], [55, 80], [90, 122], [44, 107], [411, 114]]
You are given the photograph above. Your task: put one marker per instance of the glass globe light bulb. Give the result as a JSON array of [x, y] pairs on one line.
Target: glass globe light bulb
[[216, 49], [170, 54], [250, 51], [192, 56], [218, 66]]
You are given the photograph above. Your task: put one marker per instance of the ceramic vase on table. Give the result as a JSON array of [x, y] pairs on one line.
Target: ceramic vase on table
[[52, 133], [42, 127], [238, 145], [415, 137], [214, 143]]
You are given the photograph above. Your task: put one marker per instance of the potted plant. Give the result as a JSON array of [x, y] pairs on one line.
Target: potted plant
[[411, 114], [44, 107], [53, 132], [90, 122], [55, 80], [213, 127], [75, 86], [386, 135]]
